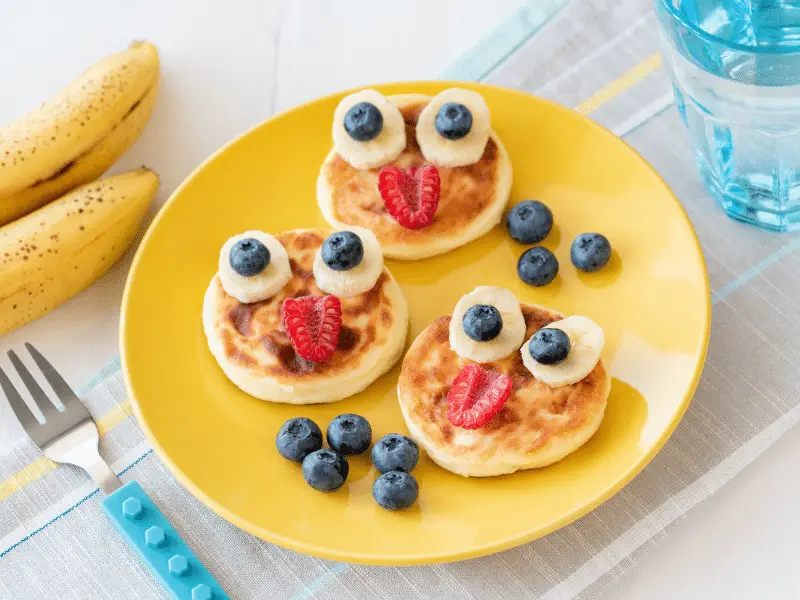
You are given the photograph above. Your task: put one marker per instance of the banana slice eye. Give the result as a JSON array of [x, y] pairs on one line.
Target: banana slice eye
[[487, 325], [564, 352], [253, 266], [368, 130], [453, 129], [349, 262]]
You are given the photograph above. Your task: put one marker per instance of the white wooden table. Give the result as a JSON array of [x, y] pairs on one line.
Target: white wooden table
[[229, 65]]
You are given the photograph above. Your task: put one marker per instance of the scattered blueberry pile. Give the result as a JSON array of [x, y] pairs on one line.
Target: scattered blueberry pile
[[326, 470], [530, 222]]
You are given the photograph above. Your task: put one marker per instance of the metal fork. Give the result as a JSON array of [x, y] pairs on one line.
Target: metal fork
[[66, 436], [70, 435]]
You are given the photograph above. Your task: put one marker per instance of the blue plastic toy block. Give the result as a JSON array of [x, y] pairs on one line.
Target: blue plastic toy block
[[159, 546]]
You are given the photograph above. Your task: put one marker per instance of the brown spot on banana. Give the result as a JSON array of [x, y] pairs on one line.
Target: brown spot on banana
[[65, 169]]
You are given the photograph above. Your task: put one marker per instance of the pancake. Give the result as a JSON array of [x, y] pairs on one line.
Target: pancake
[[254, 352], [536, 427], [471, 202]]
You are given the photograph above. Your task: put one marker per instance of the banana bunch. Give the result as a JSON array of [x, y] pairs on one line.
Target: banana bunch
[[53, 245]]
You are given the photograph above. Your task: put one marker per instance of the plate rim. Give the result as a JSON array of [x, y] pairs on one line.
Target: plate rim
[[422, 557]]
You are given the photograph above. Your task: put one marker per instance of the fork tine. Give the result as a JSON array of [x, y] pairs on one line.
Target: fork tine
[[60, 387], [39, 397], [24, 414]]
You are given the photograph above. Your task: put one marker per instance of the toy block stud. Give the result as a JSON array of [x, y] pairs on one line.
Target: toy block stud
[[201, 592], [178, 565], [132, 508], [154, 537]]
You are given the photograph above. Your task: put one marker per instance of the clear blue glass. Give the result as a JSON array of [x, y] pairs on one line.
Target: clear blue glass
[[735, 67]]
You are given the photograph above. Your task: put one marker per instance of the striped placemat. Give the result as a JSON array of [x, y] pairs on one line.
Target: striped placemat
[[600, 57]]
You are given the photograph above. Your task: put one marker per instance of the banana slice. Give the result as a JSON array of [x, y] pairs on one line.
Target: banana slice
[[586, 340], [360, 278], [511, 335], [378, 151], [258, 287], [454, 152]]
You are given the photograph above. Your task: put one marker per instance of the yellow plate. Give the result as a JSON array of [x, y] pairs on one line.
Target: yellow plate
[[652, 300]]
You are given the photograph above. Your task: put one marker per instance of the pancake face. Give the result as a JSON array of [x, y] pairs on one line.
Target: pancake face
[[471, 201], [537, 426], [255, 353]]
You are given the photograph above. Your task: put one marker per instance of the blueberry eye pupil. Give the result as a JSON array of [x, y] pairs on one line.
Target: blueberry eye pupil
[[363, 122], [343, 251], [249, 257], [482, 323], [453, 121], [549, 346]]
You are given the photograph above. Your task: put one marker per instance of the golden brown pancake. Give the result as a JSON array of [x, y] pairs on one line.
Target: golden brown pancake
[[537, 426], [471, 202], [251, 347]]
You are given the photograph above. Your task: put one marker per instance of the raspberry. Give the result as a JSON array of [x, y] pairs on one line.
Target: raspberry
[[312, 324], [411, 195], [476, 396]]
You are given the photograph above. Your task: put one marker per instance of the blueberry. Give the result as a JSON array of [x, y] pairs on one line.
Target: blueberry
[[342, 251], [297, 438], [325, 470], [529, 222], [590, 252], [363, 122], [453, 121], [537, 266], [395, 490], [482, 322], [549, 346], [249, 257], [349, 434], [395, 452]]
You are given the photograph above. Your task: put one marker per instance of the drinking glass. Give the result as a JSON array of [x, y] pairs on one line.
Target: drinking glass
[[735, 67]]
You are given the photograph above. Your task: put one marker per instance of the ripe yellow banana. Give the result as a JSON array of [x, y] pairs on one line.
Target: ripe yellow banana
[[57, 251], [77, 134]]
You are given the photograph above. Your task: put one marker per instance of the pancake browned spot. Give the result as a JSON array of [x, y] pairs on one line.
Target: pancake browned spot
[[240, 316], [348, 338], [307, 240], [299, 271], [241, 357]]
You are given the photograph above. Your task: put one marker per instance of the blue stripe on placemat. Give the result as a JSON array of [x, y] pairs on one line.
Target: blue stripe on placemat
[[71, 508], [100, 376], [495, 47]]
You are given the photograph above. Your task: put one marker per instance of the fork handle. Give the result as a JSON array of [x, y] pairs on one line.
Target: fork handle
[[159, 546]]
